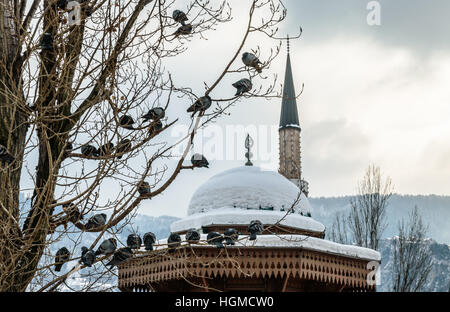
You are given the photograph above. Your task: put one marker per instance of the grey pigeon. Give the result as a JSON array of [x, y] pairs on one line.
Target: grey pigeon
[[201, 105], [199, 161], [255, 228], [216, 239], [155, 127], [108, 246], [5, 156], [251, 60], [231, 236], [242, 86], [154, 114], [106, 149], [179, 17], [183, 30], [173, 242], [120, 256], [123, 147], [193, 236], [87, 256], [134, 241], [62, 256], [72, 212], [47, 41], [149, 240], [126, 122], [89, 151], [144, 188], [96, 221]]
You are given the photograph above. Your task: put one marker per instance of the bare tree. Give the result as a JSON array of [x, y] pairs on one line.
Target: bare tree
[[66, 85], [366, 220], [412, 261]]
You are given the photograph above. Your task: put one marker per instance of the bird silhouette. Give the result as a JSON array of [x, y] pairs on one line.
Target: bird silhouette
[[242, 86], [89, 151], [134, 241], [199, 161], [108, 246], [193, 236], [87, 256], [255, 228], [201, 105], [68, 149], [144, 188], [149, 240], [183, 30], [106, 149], [62, 256], [231, 236], [72, 212], [250, 60], [216, 239], [96, 221], [120, 256], [126, 122], [179, 17], [5, 156], [47, 41], [173, 242], [154, 114], [123, 147], [155, 127], [61, 4]]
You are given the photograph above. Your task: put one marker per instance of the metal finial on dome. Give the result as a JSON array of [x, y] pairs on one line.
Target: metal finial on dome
[[288, 45], [248, 145]]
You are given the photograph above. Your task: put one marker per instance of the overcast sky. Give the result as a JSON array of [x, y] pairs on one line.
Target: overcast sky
[[373, 94]]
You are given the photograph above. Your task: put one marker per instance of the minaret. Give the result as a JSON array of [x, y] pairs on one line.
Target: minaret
[[289, 131]]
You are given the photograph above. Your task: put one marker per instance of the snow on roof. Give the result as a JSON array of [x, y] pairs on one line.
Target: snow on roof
[[292, 241], [245, 188], [233, 216]]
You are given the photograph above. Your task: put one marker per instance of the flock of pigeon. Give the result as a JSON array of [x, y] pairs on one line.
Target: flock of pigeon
[[109, 246]]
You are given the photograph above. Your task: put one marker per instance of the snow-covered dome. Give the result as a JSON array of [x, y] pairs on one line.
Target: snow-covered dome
[[248, 188]]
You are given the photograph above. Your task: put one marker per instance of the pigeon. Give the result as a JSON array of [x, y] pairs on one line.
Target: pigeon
[[5, 156], [308, 214], [149, 240], [144, 188], [180, 17], [47, 41], [173, 242], [154, 114], [183, 30], [126, 122], [61, 4], [96, 221], [155, 127], [106, 149], [216, 239], [120, 256], [231, 236], [242, 86], [107, 247], [62, 256], [68, 149], [134, 241], [193, 236], [199, 161], [251, 60], [201, 105], [123, 147], [72, 212], [87, 256], [89, 151], [255, 228]]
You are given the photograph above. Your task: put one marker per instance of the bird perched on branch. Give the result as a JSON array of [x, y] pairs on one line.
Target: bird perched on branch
[[96, 221], [123, 147], [134, 241], [255, 228], [120, 256], [144, 188], [89, 151], [242, 86], [155, 127], [183, 30], [108, 246], [216, 239], [180, 17], [87, 256], [154, 114], [106, 149], [62, 256], [126, 122], [149, 240], [250, 60], [199, 161], [72, 212], [68, 149], [193, 236], [231, 236], [201, 105], [5, 156], [173, 242], [47, 41]]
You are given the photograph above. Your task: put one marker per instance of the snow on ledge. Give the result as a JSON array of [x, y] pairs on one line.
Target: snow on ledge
[[233, 216]]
